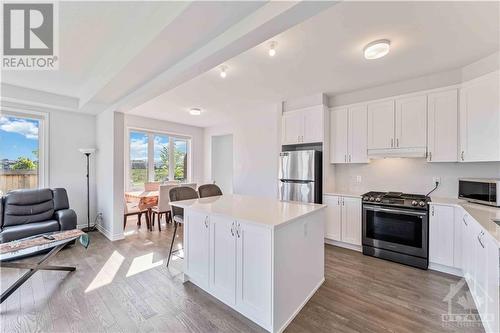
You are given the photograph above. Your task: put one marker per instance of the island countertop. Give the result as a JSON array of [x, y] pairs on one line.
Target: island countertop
[[267, 211]]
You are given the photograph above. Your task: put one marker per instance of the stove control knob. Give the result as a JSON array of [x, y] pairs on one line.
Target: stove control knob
[[377, 199], [366, 198], [414, 203], [372, 198], [421, 203]]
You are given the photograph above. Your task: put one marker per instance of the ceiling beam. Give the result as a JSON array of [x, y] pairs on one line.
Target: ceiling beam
[[264, 23]]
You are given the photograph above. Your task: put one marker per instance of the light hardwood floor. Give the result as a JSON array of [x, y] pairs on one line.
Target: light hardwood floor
[[124, 286]]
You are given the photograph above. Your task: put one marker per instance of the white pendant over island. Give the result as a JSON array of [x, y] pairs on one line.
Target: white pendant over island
[[260, 256]]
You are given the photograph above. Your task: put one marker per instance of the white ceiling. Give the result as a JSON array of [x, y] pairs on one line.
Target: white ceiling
[[118, 54], [324, 54]]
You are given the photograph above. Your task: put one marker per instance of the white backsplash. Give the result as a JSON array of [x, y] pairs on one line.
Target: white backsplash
[[407, 175]]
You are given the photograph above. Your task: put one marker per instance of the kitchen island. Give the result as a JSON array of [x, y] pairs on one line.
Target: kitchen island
[[260, 256]]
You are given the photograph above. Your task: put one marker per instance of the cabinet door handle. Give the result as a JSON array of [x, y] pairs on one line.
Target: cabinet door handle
[[345, 158], [338, 201], [232, 229], [349, 158], [206, 222], [397, 142], [238, 230], [463, 219], [462, 155], [343, 202], [392, 143], [432, 210], [479, 239], [430, 156]]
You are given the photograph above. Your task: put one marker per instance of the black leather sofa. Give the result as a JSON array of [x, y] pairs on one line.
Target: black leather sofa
[[25, 213]]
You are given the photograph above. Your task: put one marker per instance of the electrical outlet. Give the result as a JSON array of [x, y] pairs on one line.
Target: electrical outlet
[[436, 180]]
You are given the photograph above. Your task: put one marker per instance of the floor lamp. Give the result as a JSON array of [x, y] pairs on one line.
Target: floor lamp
[[87, 152]]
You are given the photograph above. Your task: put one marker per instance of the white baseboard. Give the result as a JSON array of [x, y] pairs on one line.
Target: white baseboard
[[109, 235], [296, 312], [348, 246], [445, 269]]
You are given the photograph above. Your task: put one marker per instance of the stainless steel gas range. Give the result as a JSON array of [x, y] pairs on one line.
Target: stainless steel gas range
[[396, 227]]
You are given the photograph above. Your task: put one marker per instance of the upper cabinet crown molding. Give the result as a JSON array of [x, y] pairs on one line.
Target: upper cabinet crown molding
[[303, 125]]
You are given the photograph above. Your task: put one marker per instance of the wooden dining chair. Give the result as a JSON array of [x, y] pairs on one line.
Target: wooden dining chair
[[163, 207], [209, 190], [177, 194], [132, 208], [152, 186]]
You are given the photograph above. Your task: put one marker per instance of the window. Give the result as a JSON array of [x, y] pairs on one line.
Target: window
[[22, 158], [157, 157]]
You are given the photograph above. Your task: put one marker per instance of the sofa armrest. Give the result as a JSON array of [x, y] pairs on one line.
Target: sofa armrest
[[66, 218]]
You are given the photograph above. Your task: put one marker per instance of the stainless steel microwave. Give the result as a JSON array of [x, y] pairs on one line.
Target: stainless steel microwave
[[480, 190]]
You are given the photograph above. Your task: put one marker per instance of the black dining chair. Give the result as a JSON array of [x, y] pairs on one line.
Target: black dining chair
[[209, 190], [178, 194]]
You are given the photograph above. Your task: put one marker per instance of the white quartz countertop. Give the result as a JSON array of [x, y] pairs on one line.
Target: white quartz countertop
[[484, 215], [261, 210], [344, 194]]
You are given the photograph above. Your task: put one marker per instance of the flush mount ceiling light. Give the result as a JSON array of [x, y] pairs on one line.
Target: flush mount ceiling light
[[377, 49], [223, 71], [195, 111], [272, 48]]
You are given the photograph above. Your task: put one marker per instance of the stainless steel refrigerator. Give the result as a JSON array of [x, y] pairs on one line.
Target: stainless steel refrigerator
[[300, 176]]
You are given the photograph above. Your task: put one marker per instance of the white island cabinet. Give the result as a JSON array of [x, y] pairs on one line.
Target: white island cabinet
[[262, 257]]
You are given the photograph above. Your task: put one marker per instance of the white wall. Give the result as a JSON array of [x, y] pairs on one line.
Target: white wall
[[256, 148], [104, 170], [196, 134], [222, 162], [409, 175], [69, 132]]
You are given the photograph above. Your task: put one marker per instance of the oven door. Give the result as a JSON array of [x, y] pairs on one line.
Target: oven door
[[396, 229]]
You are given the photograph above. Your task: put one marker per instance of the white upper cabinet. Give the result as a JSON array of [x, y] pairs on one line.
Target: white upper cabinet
[[339, 122], [292, 129], [313, 125], [411, 122], [358, 127], [381, 125], [303, 126], [480, 119], [348, 130], [442, 134]]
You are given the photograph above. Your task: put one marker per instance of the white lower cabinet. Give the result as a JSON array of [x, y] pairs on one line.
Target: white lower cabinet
[[197, 245], [441, 235], [343, 219], [254, 268], [222, 258], [457, 241]]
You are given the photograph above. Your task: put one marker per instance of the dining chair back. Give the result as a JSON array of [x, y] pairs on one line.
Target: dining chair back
[[152, 186], [209, 190], [164, 197], [181, 193], [177, 194]]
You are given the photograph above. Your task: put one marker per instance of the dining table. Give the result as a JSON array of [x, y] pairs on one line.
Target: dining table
[[147, 200]]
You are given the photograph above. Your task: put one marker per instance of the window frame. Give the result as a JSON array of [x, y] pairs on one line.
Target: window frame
[[43, 139], [150, 158]]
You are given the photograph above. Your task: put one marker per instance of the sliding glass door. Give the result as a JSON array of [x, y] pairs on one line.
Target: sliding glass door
[[157, 157]]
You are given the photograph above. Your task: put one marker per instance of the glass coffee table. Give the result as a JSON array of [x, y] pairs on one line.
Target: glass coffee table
[[24, 247]]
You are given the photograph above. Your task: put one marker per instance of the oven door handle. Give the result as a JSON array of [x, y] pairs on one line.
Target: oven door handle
[[389, 210]]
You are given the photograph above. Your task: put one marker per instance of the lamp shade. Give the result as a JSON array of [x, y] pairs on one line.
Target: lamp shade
[[87, 150]]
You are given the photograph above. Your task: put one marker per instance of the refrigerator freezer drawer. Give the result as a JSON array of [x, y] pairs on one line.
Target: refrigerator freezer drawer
[[296, 191]]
